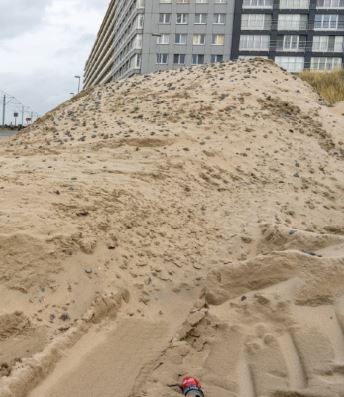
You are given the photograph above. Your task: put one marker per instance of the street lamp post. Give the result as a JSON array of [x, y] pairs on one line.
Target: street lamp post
[[79, 82]]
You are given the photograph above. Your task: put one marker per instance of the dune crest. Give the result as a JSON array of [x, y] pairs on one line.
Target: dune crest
[[186, 222]]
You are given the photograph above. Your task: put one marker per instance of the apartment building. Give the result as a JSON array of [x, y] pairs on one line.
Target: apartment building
[[99, 66], [297, 34], [144, 36], [151, 35]]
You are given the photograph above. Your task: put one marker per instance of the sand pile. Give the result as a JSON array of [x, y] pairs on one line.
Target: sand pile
[[188, 222]]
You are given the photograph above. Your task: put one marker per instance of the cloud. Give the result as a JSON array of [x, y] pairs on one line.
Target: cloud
[[45, 44], [21, 16]]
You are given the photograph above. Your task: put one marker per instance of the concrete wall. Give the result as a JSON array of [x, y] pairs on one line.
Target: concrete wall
[[150, 47]]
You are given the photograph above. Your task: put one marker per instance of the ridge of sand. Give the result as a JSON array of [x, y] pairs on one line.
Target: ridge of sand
[[193, 219]]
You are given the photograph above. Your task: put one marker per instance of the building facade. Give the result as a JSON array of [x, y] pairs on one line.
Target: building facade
[[144, 36], [99, 66], [296, 34], [152, 35]]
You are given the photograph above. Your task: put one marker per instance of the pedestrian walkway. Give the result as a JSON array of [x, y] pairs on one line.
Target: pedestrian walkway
[[7, 133]]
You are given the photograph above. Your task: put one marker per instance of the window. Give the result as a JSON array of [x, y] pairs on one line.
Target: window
[[219, 19], [180, 38], [163, 39], [216, 58], [140, 21], [137, 42], [338, 45], [326, 63], [257, 4], [294, 4], [200, 19], [201, 1], [320, 43], [179, 59], [293, 43], [254, 42], [326, 22], [165, 1], [290, 42], [292, 22], [256, 22], [328, 4], [198, 39], [162, 59], [328, 44], [136, 61], [247, 57], [164, 18], [218, 39], [291, 64], [182, 19], [197, 59]]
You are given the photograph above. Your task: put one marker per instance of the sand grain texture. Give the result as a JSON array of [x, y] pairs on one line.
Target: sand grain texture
[[187, 222]]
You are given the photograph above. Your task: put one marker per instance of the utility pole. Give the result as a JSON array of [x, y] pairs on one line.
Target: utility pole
[[3, 111]]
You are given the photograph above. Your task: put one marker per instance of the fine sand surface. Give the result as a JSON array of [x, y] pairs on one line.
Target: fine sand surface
[[338, 108], [187, 222]]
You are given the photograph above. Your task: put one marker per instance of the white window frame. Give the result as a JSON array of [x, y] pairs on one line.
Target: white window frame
[[326, 63], [292, 64], [331, 26]]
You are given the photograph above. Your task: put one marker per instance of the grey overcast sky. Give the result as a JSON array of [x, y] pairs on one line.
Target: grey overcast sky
[[43, 44]]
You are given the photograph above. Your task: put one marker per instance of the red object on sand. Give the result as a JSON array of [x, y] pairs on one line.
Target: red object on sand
[[191, 385]]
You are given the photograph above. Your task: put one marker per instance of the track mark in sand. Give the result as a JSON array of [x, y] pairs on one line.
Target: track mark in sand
[[327, 319], [297, 374], [109, 368], [339, 355], [339, 311], [246, 381], [338, 339]]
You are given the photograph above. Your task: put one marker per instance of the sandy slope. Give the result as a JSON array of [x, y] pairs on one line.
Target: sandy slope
[[186, 222]]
